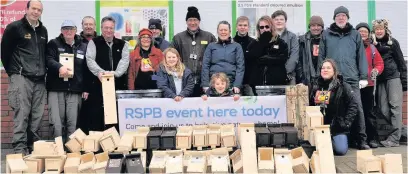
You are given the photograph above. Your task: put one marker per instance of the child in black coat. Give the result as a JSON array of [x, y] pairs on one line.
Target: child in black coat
[[219, 87]]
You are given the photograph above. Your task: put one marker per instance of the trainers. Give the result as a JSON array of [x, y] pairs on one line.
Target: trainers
[[373, 143], [388, 143], [363, 146]]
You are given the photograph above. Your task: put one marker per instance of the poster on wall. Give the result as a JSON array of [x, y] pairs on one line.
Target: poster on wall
[[296, 11], [132, 16], [11, 10]]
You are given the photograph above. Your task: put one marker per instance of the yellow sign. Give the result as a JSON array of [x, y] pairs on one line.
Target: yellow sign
[[134, 3]]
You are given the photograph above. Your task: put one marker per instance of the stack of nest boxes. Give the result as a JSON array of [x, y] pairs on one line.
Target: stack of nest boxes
[[53, 154], [369, 163]]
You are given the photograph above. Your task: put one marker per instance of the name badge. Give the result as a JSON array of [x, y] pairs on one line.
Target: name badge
[[204, 42], [276, 46], [80, 56]]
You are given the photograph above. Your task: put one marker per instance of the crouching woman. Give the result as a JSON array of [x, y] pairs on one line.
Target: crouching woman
[[337, 103]]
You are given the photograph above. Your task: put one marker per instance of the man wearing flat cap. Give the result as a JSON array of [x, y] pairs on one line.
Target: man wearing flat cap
[[342, 43], [65, 94], [156, 28], [309, 51], [191, 45]]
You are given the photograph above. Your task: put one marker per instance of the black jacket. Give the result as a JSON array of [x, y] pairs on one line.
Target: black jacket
[[306, 68], [270, 59], [23, 49], [84, 39], [394, 63], [244, 42], [182, 42], [212, 92], [56, 47], [342, 107], [166, 83]]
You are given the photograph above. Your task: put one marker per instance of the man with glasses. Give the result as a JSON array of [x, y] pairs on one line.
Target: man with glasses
[[342, 43], [23, 49], [64, 94], [105, 54], [191, 45], [244, 40]]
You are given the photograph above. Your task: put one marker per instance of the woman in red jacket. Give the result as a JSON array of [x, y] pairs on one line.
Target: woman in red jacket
[[144, 62], [375, 68]]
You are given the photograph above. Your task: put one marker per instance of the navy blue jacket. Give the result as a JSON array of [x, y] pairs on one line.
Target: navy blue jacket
[[165, 82], [226, 57]]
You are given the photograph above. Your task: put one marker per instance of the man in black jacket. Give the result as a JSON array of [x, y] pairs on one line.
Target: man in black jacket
[[64, 94], [244, 39], [309, 51], [88, 29], [191, 45], [23, 56]]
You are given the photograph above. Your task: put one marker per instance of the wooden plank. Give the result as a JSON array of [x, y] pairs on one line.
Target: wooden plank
[[248, 147], [302, 103], [325, 149], [291, 97], [109, 99]]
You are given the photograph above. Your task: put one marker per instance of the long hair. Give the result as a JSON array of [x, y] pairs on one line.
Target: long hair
[[333, 64], [268, 20], [179, 68], [222, 76]]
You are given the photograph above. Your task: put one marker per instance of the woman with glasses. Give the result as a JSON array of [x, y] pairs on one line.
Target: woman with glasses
[[144, 62], [270, 54]]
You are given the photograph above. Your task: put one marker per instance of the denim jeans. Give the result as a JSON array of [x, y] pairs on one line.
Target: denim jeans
[[340, 144]]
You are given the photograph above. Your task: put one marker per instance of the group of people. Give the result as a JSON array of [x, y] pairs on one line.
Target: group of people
[[340, 65]]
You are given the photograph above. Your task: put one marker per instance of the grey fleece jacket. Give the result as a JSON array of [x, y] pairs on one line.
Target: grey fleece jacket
[[293, 45]]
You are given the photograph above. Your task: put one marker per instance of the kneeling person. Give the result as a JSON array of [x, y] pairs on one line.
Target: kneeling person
[[219, 87], [175, 79]]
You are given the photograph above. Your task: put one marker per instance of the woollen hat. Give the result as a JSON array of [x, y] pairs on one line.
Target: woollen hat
[[155, 24], [383, 23], [192, 12], [341, 9], [145, 31], [363, 24], [316, 20]]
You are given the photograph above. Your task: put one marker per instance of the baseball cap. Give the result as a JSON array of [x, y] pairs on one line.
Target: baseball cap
[[68, 23]]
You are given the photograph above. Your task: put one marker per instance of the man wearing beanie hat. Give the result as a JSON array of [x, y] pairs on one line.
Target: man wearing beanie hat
[[375, 67], [65, 95], [156, 27], [191, 45], [393, 81], [309, 51], [342, 43], [279, 22]]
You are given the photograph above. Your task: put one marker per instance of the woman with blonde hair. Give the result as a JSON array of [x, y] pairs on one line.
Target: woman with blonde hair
[[174, 78], [269, 54]]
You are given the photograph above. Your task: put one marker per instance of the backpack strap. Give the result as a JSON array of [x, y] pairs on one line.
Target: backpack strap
[[372, 54]]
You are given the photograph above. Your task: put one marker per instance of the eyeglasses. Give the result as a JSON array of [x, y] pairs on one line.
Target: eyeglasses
[[145, 37], [262, 27], [68, 28]]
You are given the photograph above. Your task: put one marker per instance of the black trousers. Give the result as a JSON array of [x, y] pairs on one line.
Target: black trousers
[[367, 99]]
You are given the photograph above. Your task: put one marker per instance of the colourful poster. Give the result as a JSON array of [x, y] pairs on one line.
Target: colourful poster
[[11, 10], [132, 16]]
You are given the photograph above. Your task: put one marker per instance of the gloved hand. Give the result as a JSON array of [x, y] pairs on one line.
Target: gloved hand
[[363, 83], [374, 74], [265, 37]]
